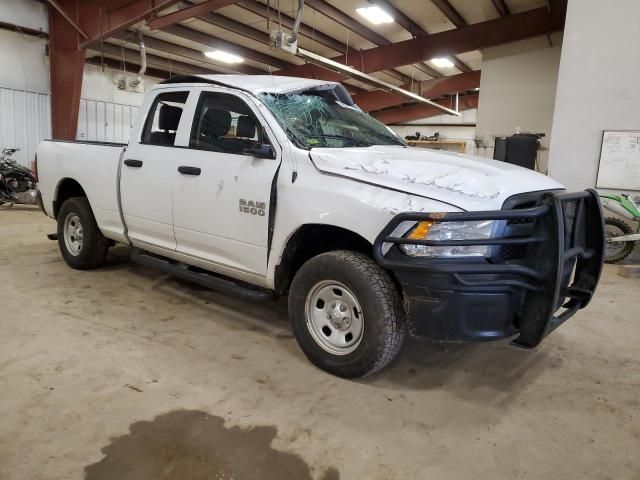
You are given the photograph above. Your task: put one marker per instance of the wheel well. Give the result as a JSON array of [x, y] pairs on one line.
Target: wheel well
[[311, 240], [67, 188]]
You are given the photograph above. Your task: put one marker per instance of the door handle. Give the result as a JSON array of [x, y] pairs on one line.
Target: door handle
[[130, 162], [189, 170]]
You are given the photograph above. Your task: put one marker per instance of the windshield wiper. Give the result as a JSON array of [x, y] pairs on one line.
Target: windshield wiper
[[396, 140], [341, 137]]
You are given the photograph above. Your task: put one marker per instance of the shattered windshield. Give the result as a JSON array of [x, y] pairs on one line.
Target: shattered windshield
[[317, 118]]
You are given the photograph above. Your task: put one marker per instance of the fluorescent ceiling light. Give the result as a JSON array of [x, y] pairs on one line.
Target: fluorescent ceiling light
[[442, 62], [222, 56], [375, 15]]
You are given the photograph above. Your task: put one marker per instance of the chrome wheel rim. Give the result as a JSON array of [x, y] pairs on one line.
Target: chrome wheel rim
[[334, 317], [613, 248], [72, 230]]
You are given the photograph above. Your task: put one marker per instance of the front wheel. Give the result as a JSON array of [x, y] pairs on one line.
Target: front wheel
[[346, 313], [81, 242], [615, 252]]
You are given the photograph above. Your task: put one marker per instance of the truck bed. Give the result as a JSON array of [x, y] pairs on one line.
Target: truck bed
[[95, 166]]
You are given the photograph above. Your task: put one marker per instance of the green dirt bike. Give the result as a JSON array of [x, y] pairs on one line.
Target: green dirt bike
[[620, 236]]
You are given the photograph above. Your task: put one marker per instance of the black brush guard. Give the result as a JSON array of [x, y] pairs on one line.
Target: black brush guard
[[556, 276]]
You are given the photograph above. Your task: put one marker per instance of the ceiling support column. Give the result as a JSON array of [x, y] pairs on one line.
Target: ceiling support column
[[66, 66]]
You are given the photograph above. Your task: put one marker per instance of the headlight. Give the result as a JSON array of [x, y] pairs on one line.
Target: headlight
[[476, 230]]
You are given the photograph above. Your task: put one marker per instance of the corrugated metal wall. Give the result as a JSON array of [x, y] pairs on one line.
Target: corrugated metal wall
[[25, 120], [105, 121]]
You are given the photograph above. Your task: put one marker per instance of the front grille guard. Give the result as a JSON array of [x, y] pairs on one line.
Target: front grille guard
[[560, 270]]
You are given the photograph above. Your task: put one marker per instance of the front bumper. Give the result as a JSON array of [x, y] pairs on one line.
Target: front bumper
[[542, 269]]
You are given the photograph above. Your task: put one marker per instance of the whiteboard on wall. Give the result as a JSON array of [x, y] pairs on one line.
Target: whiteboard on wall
[[619, 166]]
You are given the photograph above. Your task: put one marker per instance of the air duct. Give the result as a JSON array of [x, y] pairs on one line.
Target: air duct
[[296, 26], [143, 61]]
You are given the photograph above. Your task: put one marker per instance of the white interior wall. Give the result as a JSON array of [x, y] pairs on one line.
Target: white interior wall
[[100, 85], [597, 86], [24, 65], [460, 128], [26, 13], [106, 113], [517, 90]]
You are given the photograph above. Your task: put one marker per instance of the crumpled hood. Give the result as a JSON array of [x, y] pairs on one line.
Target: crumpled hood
[[467, 182]]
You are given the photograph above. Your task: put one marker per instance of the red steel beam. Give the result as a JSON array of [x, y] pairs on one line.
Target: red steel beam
[[263, 11], [75, 25], [102, 19], [355, 26], [378, 99], [66, 63], [420, 110], [528, 24], [347, 21], [540, 21], [417, 31], [60, 9], [187, 13]]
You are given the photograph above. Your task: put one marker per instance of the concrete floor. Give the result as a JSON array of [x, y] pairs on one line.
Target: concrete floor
[[124, 373]]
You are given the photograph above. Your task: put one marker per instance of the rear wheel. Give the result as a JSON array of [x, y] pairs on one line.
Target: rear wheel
[[615, 252], [346, 314], [80, 241]]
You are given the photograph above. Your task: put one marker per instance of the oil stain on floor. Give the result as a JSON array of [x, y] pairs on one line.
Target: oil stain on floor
[[191, 444]]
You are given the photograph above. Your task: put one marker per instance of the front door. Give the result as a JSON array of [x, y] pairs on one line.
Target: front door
[[148, 174], [222, 192]]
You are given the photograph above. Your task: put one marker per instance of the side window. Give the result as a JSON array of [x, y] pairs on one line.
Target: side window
[[163, 118], [225, 123]]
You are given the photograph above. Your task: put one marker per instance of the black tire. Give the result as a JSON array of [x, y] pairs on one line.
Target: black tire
[[383, 316], [616, 227], [94, 246]]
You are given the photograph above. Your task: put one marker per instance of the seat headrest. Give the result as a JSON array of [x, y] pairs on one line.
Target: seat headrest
[[169, 117], [216, 122], [246, 127]]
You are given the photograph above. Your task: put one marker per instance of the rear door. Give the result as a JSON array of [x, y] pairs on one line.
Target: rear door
[[222, 192], [148, 172]]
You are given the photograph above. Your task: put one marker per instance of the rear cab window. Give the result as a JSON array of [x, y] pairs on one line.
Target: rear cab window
[[163, 118]]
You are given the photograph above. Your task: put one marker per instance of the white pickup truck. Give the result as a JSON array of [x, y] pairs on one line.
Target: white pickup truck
[[263, 186]]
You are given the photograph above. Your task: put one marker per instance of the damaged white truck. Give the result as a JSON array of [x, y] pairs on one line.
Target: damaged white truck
[[265, 186]]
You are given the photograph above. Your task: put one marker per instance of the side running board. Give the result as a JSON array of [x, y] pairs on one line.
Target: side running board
[[208, 280]]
